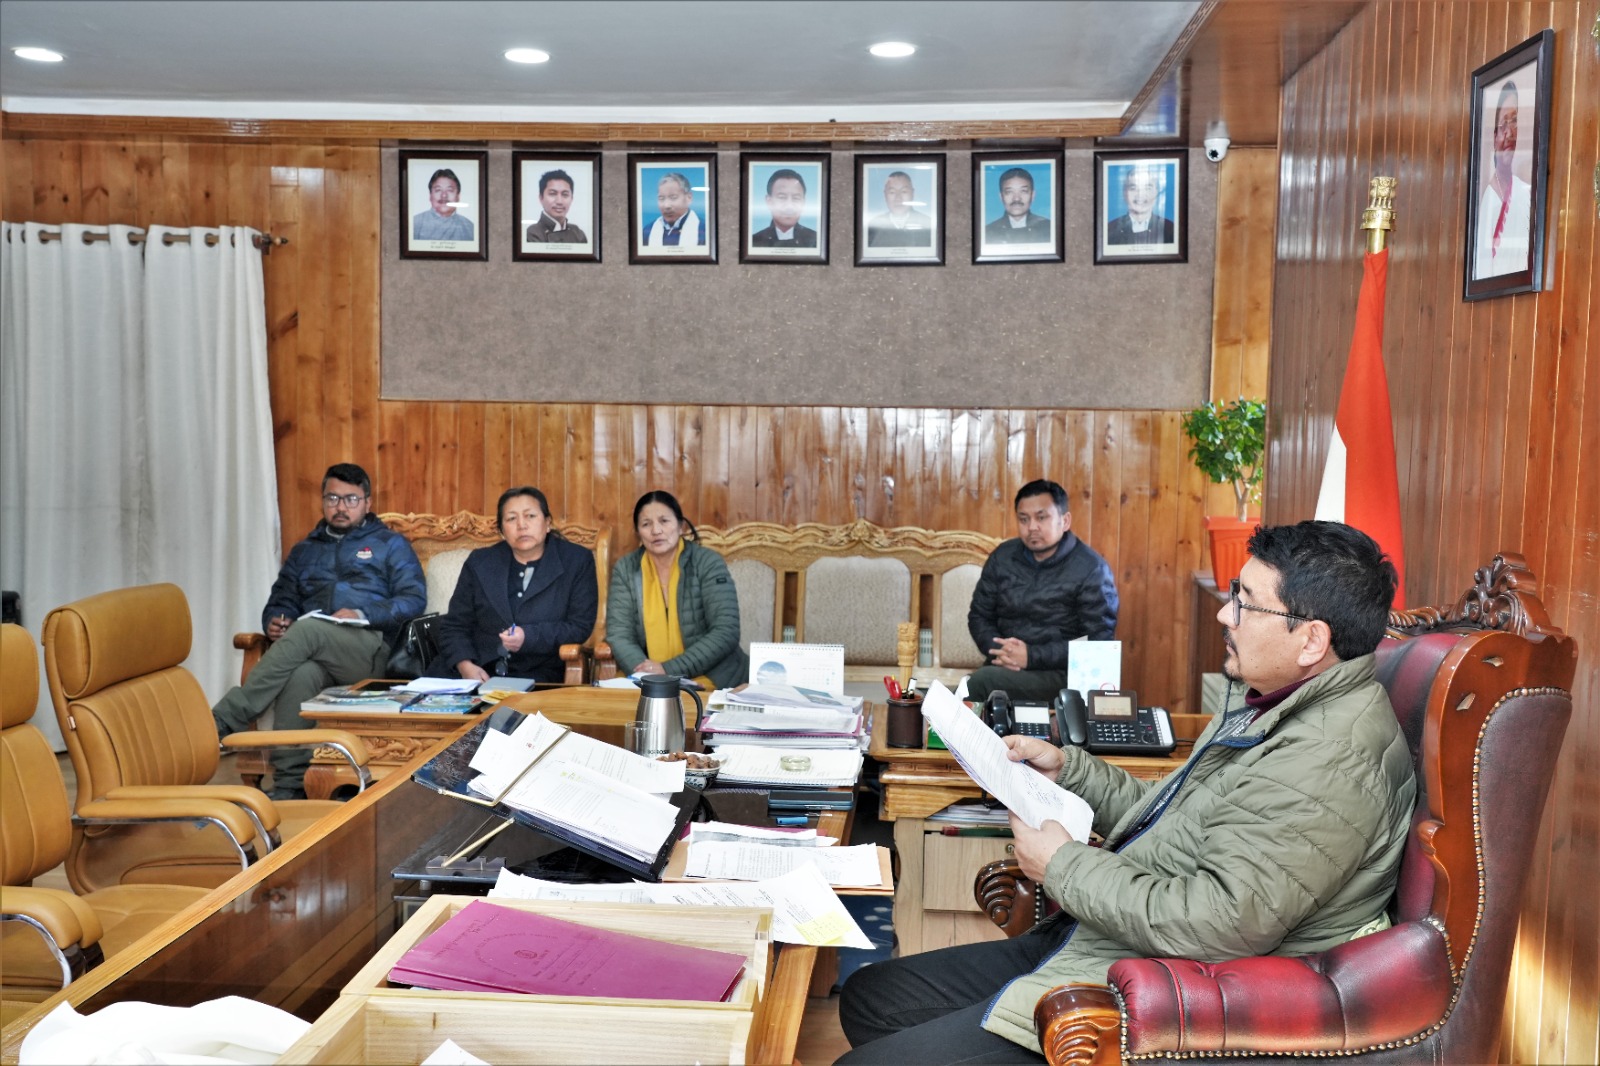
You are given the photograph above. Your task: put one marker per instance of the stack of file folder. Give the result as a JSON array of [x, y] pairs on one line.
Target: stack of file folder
[[488, 948]]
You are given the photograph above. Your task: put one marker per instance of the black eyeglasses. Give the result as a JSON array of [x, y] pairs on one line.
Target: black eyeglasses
[[333, 499], [1239, 606]]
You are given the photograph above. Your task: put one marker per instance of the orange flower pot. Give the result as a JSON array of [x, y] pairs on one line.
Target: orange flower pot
[[1229, 538]]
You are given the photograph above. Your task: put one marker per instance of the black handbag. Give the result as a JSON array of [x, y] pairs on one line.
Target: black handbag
[[417, 647]]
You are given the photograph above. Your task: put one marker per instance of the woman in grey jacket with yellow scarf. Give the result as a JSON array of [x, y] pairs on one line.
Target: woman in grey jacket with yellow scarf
[[671, 607]]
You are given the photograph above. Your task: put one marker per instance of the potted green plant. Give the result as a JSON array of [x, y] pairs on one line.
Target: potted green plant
[[1226, 441]]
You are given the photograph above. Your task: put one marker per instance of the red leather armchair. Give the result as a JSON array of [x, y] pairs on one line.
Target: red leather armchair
[[1482, 693]]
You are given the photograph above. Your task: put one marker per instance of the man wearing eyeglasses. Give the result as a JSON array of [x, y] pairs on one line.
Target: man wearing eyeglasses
[[366, 579], [1280, 835]]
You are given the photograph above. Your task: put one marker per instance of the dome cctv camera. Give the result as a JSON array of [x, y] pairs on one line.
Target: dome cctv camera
[[1216, 148]]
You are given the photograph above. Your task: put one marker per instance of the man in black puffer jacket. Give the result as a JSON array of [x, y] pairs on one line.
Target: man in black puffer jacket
[[353, 568], [1037, 593]]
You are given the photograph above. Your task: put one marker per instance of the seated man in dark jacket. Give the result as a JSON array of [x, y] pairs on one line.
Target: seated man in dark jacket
[[1036, 593], [352, 567]]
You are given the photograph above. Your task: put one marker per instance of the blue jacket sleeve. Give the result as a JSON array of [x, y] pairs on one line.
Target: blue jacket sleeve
[[408, 590], [284, 599]]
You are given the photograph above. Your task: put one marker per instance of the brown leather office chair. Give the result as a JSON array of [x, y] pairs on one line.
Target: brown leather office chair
[[141, 738], [48, 937], [1481, 691]]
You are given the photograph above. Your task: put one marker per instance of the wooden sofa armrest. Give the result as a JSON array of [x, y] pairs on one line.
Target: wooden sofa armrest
[[254, 645], [1009, 899], [1080, 1025]]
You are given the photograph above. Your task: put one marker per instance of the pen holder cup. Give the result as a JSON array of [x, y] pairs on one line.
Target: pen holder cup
[[905, 723]]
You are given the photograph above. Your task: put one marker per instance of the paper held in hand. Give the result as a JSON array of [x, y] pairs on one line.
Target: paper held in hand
[[1026, 793]]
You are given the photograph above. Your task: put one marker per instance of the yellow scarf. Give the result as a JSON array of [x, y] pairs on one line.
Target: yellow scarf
[[663, 638]]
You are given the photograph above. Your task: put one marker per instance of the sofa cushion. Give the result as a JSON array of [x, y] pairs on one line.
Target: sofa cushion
[[956, 649], [858, 602], [443, 570], [755, 582]]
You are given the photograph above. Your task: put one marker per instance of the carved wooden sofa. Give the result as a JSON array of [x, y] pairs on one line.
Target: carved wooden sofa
[[856, 585], [442, 544], [1482, 693]]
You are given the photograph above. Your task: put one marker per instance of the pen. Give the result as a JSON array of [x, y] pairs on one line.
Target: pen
[[796, 820], [974, 831]]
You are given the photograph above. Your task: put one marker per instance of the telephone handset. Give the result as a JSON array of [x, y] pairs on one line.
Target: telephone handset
[[1113, 723], [1006, 718]]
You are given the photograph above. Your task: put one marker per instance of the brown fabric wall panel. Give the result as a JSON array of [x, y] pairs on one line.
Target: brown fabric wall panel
[[1496, 402], [1037, 334]]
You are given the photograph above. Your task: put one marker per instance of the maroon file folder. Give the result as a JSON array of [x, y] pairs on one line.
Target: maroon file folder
[[486, 948]]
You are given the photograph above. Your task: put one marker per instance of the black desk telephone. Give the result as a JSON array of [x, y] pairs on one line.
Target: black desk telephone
[[1112, 723]]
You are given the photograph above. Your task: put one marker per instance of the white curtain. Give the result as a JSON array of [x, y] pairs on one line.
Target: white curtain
[[135, 435]]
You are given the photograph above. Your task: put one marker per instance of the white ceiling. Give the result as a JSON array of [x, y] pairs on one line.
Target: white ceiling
[[612, 60]]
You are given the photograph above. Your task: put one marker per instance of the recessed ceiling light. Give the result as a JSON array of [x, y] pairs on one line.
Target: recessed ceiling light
[[892, 49], [39, 55], [527, 55]]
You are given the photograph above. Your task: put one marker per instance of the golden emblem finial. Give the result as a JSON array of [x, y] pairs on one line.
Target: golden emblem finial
[[1378, 218]]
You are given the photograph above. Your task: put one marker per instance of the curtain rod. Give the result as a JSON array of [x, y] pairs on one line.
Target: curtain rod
[[263, 241]]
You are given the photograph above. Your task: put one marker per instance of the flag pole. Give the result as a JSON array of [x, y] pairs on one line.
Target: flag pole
[[1360, 482]]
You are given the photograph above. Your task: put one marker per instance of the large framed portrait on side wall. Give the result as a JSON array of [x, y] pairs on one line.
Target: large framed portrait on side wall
[[1508, 172]]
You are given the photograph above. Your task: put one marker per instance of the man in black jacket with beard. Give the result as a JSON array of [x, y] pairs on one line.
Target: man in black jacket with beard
[[1037, 593]]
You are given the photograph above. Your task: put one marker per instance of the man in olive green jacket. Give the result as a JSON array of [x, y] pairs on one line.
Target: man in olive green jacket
[[1281, 834]]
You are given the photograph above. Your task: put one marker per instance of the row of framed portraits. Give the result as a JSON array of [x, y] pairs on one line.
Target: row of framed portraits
[[1018, 209]]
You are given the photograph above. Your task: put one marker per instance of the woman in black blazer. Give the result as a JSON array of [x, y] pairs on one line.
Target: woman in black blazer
[[518, 601]]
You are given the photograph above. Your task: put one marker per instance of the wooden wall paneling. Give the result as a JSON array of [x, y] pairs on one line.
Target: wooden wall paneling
[[1166, 583], [1495, 401], [497, 476], [361, 190], [333, 252], [1136, 626]]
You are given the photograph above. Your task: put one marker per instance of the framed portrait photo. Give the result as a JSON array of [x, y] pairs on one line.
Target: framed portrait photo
[[444, 198], [672, 208], [783, 208], [1141, 202], [1016, 207], [1508, 171], [556, 206], [899, 210]]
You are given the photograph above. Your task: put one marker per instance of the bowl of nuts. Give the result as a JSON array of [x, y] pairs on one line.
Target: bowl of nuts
[[700, 770]]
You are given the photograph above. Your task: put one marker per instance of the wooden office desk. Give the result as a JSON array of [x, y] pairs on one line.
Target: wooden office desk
[[293, 929], [933, 904], [394, 738]]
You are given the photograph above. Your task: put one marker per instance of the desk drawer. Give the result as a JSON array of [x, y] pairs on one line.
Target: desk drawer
[[949, 866]]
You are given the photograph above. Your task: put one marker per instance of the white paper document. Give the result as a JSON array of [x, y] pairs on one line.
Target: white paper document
[[804, 908], [502, 758], [230, 1029], [437, 685], [599, 807], [323, 616], [451, 1053], [854, 867], [1024, 791], [748, 764], [818, 666], [758, 834], [786, 720], [1094, 664]]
